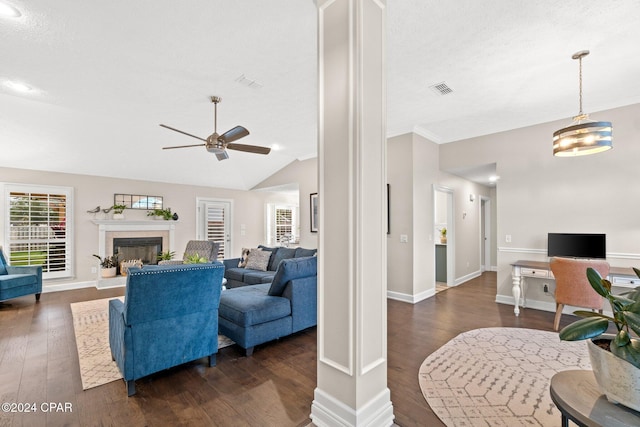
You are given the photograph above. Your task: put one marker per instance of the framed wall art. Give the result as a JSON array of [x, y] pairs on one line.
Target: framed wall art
[[313, 209]]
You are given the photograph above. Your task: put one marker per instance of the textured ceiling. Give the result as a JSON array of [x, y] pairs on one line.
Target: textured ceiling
[[105, 74]]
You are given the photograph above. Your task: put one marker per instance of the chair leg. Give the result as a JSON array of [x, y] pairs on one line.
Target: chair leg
[[249, 351], [556, 321], [212, 360], [131, 388], [37, 297]]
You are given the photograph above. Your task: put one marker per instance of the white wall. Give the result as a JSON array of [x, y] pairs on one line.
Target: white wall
[[539, 193], [91, 191], [304, 174]]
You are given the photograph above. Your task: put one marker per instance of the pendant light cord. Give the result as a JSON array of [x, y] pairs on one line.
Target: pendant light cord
[[580, 59]]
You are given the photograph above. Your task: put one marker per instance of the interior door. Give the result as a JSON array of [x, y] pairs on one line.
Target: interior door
[[214, 223]]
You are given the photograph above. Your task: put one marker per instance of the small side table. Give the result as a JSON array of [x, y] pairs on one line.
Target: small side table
[[577, 396]]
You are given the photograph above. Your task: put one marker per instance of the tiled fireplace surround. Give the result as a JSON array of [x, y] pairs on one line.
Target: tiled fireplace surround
[[110, 229]]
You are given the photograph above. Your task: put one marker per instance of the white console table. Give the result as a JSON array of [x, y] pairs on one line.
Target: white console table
[[520, 270]]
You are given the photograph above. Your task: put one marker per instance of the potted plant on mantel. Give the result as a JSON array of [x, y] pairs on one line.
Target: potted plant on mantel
[[615, 359], [443, 235], [108, 265], [118, 211], [164, 214]]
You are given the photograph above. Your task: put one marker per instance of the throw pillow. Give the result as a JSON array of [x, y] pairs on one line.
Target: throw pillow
[[258, 260], [283, 253], [243, 258]]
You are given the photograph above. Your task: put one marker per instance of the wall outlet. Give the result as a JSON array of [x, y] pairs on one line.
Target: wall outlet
[[94, 270], [507, 238], [404, 238]]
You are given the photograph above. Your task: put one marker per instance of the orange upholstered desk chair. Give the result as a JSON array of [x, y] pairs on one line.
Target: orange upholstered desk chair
[[572, 285]]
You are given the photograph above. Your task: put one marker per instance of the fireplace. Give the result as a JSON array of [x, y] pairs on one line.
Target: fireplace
[[144, 248], [138, 233]]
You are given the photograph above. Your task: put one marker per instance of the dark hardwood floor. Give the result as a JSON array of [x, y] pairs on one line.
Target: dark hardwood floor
[[274, 387]]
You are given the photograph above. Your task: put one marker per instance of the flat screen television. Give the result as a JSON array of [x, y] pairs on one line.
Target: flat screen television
[[574, 245]]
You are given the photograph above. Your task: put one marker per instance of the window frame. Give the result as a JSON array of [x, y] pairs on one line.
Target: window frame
[[68, 192]]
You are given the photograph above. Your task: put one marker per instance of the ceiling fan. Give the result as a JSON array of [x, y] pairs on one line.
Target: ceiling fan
[[218, 144]]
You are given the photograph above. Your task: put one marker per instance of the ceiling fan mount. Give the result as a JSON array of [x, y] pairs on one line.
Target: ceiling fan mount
[[218, 144]]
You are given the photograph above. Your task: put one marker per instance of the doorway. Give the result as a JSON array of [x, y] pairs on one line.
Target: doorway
[[444, 241], [214, 223], [485, 233]]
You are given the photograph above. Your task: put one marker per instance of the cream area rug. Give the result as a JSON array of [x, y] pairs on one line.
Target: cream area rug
[[498, 377], [91, 326]]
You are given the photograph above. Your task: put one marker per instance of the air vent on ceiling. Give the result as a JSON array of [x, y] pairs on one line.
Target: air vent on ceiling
[[441, 88], [248, 82]]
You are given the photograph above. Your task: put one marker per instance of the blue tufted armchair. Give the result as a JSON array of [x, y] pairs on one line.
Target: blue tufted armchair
[[17, 281], [169, 317]]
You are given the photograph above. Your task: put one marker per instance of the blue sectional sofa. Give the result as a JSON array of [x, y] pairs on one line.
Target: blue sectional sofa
[[239, 276], [17, 281], [169, 317], [255, 314]]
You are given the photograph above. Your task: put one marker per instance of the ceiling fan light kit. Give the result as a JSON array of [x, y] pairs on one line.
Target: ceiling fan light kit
[[583, 136], [218, 144]]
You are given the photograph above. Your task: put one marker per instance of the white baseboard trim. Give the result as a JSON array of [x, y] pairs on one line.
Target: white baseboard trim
[[541, 305], [494, 268], [466, 278], [412, 299], [327, 411], [66, 286]]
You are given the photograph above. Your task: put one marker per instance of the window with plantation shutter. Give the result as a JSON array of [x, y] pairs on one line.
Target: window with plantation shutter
[[39, 228], [216, 230], [282, 224]]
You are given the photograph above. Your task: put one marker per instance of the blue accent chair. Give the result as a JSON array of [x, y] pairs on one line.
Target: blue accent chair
[[255, 314], [17, 281], [169, 317]]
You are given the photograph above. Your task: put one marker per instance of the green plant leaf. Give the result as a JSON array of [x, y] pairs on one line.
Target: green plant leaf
[[586, 313], [633, 320], [597, 283], [629, 352], [624, 301], [622, 338], [584, 329], [637, 272]]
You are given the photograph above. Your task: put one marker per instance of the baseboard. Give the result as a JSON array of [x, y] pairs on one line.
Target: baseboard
[[466, 278], [540, 305], [326, 411], [411, 299], [66, 286]]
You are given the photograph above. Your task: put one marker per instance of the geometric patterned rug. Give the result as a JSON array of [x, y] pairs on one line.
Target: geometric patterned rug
[[91, 326], [498, 377]]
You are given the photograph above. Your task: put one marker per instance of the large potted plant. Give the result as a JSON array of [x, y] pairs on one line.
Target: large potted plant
[[615, 358], [164, 214]]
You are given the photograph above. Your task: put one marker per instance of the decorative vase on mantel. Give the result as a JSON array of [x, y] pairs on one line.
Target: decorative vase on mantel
[[118, 216], [107, 273], [618, 379]]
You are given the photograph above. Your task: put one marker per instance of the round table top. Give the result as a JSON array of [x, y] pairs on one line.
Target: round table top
[[577, 396]]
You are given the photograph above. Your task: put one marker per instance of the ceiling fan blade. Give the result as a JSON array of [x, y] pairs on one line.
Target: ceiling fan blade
[[233, 134], [222, 155], [184, 146], [249, 148], [184, 133]]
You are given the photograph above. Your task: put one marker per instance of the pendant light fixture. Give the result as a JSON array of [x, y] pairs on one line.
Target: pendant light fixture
[[584, 136]]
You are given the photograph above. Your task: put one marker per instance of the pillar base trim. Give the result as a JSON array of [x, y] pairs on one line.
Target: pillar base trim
[[327, 411]]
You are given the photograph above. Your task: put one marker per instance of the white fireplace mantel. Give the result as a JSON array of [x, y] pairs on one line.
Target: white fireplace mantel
[[105, 226]]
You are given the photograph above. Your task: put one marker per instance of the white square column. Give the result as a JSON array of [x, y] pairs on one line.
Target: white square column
[[352, 306]]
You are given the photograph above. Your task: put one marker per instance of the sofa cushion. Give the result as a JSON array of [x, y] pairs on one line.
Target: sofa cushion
[[235, 273], [282, 253], [293, 268], [253, 277], [8, 281], [302, 252], [3, 268], [273, 251], [258, 260], [250, 305]]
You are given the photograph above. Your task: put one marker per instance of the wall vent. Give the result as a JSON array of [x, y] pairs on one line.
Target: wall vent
[[441, 88], [248, 82]]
